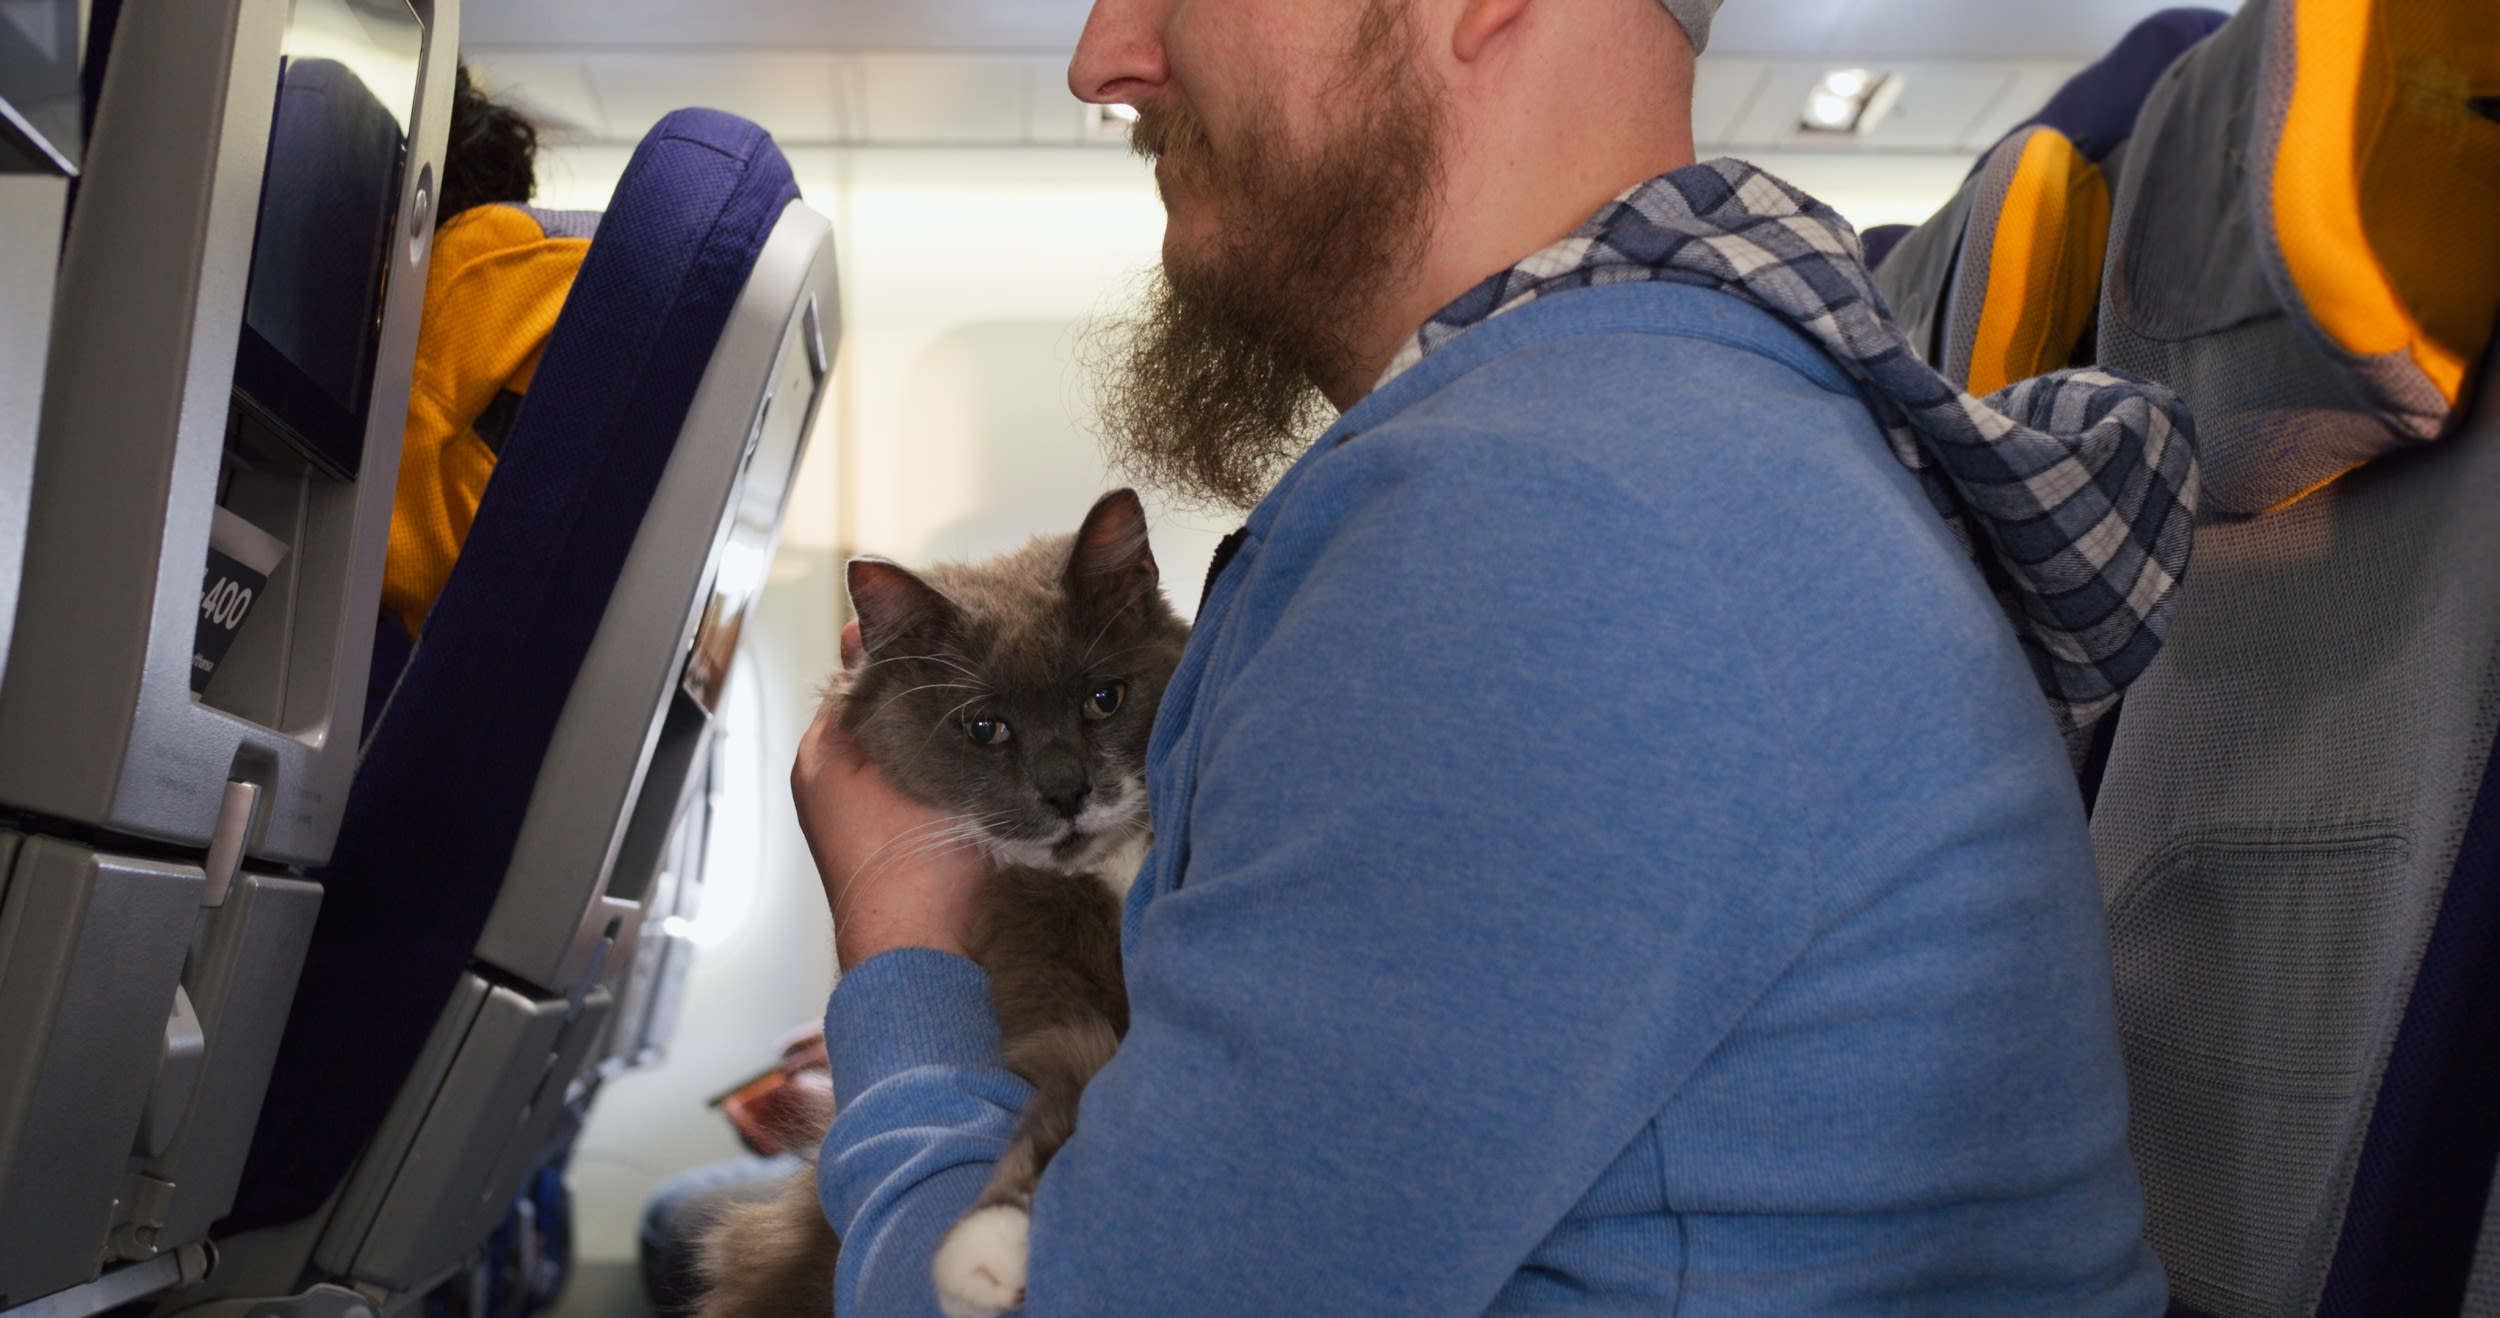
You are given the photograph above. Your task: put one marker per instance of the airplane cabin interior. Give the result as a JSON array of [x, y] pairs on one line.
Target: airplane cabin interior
[[397, 882]]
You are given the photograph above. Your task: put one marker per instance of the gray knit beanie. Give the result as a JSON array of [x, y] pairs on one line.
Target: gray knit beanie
[[1694, 15]]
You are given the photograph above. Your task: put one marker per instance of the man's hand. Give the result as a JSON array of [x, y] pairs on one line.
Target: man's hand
[[895, 871]]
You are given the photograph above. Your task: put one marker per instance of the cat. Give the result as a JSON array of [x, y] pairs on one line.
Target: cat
[[1017, 694]]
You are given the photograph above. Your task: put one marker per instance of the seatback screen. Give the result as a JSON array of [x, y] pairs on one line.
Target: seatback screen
[[754, 514], [329, 202]]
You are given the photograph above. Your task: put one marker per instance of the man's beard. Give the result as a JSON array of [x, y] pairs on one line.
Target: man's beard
[[1209, 389]]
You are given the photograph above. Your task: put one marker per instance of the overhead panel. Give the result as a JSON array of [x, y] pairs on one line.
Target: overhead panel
[[983, 25], [1930, 29], [1790, 29], [1939, 103], [799, 96], [804, 97], [1958, 106], [910, 98]]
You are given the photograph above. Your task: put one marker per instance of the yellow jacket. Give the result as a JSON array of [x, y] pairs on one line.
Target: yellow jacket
[[491, 298]]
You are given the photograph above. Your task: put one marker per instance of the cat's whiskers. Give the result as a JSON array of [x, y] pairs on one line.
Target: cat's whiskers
[[942, 720], [959, 667], [917, 841], [978, 690], [1114, 656], [1088, 658]]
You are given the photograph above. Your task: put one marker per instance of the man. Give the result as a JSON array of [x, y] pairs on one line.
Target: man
[[1613, 854]]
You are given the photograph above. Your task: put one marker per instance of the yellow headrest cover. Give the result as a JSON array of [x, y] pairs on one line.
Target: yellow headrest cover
[[2385, 206], [2030, 271]]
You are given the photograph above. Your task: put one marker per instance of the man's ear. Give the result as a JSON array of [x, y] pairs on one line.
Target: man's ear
[[1111, 562], [1479, 21], [899, 614]]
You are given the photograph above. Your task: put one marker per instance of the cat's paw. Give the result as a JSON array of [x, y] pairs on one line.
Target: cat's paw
[[980, 1265]]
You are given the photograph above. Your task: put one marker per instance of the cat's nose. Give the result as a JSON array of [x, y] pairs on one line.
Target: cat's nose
[[1069, 799], [1058, 776]]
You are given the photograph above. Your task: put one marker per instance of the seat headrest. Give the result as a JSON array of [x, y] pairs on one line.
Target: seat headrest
[[2096, 109], [2094, 114], [2377, 191], [2029, 278], [2307, 237], [565, 224]]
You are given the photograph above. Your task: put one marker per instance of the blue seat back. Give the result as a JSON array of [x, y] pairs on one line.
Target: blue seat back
[[2421, 1192], [448, 774]]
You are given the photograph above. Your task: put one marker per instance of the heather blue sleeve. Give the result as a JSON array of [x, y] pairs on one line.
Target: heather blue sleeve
[[925, 1106]]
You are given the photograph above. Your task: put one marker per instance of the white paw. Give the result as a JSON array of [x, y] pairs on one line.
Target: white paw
[[980, 1265]]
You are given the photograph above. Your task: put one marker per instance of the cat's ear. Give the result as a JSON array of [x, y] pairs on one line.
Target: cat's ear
[[898, 612], [1111, 561]]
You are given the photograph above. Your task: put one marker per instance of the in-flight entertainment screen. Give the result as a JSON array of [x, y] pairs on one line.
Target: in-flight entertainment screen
[[338, 148]]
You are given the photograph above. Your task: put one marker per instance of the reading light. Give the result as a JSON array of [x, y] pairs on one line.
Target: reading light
[[1849, 101], [1831, 114]]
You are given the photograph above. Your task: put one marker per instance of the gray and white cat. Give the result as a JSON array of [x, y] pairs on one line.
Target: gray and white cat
[[1017, 694]]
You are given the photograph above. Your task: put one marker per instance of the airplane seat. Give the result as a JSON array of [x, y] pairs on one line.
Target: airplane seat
[[231, 302], [2299, 825], [2370, 182], [1935, 278], [505, 856], [2029, 278]]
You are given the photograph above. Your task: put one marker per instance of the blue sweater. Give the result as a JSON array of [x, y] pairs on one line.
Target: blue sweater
[[1613, 860]]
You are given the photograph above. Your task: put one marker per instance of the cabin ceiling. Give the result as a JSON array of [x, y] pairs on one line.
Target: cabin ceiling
[[1955, 29], [991, 72]]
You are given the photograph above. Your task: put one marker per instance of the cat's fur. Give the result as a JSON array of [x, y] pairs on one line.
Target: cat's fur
[[1031, 640]]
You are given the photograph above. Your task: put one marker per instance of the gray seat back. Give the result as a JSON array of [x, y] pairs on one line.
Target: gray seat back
[[2289, 789]]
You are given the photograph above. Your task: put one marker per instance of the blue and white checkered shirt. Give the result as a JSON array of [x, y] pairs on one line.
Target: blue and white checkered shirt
[[2075, 492]]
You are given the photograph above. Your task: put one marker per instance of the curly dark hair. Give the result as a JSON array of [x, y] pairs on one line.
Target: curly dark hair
[[492, 155]]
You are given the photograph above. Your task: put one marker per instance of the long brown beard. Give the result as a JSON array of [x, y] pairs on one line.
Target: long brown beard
[[1209, 389]]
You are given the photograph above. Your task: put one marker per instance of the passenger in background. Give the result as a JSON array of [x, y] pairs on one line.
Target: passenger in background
[[492, 154], [1613, 854], [499, 277]]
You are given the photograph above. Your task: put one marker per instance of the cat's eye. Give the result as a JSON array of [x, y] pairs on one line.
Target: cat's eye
[[987, 731], [1106, 699]]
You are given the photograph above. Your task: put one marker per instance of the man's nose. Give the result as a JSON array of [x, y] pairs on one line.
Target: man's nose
[[1119, 59]]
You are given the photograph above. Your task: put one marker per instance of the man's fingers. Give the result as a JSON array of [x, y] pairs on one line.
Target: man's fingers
[[897, 872]]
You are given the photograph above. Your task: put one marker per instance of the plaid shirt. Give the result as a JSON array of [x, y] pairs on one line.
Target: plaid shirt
[[2075, 492]]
